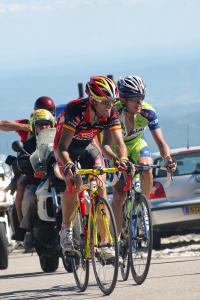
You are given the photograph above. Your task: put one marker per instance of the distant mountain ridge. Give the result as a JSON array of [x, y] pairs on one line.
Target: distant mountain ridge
[[172, 88]]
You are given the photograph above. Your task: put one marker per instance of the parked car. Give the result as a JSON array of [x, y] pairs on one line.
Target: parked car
[[175, 205]]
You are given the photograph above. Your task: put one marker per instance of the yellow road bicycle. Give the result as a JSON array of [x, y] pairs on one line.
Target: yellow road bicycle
[[94, 235]]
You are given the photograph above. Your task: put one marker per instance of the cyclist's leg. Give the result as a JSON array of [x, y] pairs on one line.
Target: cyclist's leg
[[118, 199], [68, 201], [87, 157], [19, 196], [140, 153], [92, 158], [29, 209], [21, 211]]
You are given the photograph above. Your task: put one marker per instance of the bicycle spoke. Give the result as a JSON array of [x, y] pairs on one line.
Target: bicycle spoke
[[80, 264], [140, 239], [124, 243], [105, 248], [124, 253]]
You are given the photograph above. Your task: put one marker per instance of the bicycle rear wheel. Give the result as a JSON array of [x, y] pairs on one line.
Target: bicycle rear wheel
[[141, 236], [80, 264], [104, 252]]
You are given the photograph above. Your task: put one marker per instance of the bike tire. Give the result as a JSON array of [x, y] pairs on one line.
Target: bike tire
[[105, 269], [141, 238], [80, 264]]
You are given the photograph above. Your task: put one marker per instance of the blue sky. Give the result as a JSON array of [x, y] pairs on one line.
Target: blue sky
[[53, 32], [47, 46]]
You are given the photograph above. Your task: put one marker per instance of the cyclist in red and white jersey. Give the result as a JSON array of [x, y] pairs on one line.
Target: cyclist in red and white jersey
[[77, 127]]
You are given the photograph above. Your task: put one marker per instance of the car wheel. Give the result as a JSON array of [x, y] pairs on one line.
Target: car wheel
[[156, 240]]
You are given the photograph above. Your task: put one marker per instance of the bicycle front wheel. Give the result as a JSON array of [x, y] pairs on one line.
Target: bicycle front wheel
[[141, 236], [104, 251], [80, 264]]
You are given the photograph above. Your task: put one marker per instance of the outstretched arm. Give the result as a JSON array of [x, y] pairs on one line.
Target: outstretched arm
[[6, 125]]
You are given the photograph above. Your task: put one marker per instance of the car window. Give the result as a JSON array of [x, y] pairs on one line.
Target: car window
[[187, 163]]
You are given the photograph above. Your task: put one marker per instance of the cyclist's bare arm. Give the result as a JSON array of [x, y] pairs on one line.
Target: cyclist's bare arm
[[162, 145], [164, 149], [115, 137], [8, 125], [63, 145]]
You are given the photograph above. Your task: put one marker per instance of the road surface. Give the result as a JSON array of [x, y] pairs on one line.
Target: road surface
[[169, 278]]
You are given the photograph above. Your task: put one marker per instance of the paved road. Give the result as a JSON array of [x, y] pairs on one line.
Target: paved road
[[169, 279]]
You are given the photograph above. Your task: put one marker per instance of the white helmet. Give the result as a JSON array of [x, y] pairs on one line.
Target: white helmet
[[131, 86]]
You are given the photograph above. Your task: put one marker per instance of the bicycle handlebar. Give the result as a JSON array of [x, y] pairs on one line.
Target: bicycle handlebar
[[140, 168], [100, 171]]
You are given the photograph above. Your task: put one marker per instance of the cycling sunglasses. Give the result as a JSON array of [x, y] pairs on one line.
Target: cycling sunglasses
[[136, 99], [106, 102], [42, 123]]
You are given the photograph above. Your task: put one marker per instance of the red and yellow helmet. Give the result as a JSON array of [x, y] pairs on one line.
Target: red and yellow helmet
[[101, 88]]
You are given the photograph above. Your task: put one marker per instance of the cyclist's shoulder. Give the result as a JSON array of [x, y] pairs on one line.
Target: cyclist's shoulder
[[147, 106], [76, 104], [75, 107]]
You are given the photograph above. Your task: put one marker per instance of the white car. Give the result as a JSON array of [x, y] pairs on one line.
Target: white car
[[175, 205]]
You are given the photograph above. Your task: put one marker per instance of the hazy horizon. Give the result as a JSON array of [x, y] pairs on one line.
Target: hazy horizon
[[48, 46]]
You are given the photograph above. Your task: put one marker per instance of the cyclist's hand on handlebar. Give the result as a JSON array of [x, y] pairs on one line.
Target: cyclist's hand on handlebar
[[170, 164], [121, 162], [124, 162], [69, 170]]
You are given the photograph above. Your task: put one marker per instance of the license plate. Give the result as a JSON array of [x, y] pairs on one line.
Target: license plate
[[191, 210]]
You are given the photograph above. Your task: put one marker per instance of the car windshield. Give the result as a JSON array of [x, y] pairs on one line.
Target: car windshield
[[187, 163]]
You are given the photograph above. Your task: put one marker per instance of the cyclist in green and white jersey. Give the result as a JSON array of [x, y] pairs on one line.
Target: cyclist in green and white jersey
[[135, 116]]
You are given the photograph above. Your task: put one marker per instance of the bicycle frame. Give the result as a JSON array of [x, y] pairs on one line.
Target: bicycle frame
[[92, 186]]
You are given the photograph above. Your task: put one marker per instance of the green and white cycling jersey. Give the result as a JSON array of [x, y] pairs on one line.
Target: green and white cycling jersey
[[134, 139], [147, 117]]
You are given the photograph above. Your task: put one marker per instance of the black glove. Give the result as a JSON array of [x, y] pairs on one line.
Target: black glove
[[69, 168]]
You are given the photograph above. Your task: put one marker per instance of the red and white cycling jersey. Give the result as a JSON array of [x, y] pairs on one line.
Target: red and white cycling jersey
[[76, 118]]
